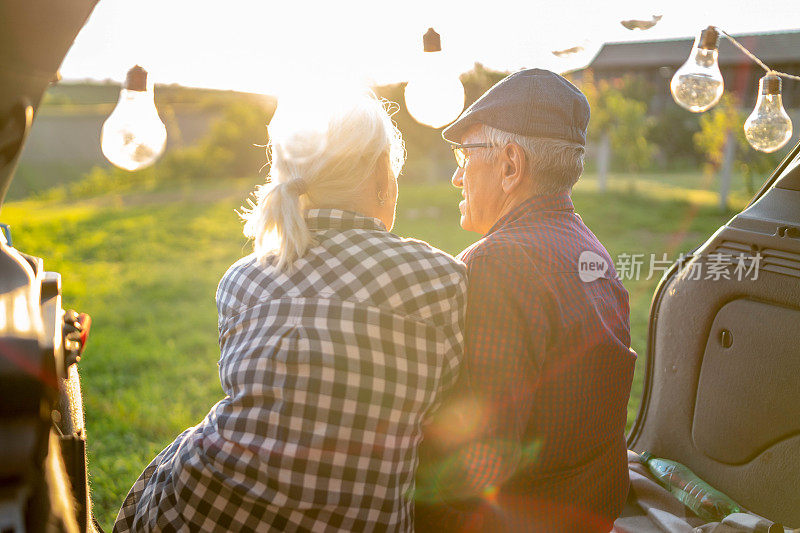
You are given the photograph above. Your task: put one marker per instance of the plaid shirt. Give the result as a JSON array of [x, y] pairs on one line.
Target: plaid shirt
[[329, 371], [535, 425]]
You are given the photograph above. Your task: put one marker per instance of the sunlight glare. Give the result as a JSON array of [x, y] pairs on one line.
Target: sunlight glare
[[434, 96], [22, 317], [256, 46]]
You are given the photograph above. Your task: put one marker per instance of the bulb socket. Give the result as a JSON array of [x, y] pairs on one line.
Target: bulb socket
[[136, 79], [431, 41], [709, 39], [770, 84]]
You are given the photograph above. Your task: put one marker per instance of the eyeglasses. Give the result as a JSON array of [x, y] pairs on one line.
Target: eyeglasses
[[461, 156]]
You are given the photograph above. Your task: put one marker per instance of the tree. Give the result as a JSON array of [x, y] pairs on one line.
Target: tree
[[673, 136], [622, 118], [710, 141]]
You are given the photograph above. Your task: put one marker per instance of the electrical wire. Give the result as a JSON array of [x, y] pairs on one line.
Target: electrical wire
[[753, 57]]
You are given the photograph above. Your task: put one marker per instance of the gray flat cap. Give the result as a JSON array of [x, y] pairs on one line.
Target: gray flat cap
[[534, 103]]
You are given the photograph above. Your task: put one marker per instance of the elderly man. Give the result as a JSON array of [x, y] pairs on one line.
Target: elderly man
[[532, 436]]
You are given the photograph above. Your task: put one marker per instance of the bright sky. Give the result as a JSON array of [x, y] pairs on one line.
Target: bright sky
[[266, 46]]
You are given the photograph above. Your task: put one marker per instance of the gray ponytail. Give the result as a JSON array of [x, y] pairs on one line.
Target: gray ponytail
[[276, 223], [321, 153]]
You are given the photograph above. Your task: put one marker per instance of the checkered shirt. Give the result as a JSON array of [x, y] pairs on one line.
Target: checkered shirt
[[329, 370], [544, 385]]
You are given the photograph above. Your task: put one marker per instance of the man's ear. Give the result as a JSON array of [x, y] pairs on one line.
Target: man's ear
[[513, 167]]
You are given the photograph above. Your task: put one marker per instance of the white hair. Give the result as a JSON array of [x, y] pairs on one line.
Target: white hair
[[555, 164], [333, 147]]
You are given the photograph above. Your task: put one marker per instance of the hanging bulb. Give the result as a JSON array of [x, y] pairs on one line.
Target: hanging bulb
[[133, 136], [768, 127], [698, 85], [433, 96]]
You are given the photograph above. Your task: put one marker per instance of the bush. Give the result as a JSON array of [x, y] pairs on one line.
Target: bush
[[673, 136], [235, 144], [228, 150]]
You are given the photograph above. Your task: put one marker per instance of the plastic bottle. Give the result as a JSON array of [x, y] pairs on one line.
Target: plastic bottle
[[703, 499]]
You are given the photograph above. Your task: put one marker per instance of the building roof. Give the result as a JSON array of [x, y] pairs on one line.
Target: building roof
[[772, 48]]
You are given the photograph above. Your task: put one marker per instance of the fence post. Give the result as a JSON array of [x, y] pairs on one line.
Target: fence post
[[728, 154], [603, 161]]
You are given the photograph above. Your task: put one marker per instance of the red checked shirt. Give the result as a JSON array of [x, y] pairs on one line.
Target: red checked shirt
[[531, 438]]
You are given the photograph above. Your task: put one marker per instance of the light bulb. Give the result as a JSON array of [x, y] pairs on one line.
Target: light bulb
[[768, 127], [434, 96], [698, 85], [133, 136]]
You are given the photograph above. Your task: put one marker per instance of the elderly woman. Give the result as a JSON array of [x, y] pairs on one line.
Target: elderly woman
[[337, 338]]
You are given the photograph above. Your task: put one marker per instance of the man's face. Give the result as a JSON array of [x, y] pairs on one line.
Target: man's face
[[480, 184]]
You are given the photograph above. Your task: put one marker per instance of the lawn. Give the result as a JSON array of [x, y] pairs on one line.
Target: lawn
[[146, 266]]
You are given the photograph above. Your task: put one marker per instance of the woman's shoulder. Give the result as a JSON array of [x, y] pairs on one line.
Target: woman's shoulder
[[422, 253], [239, 269], [380, 250], [416, 263], [430, 283], [243, 279], [369, 265]]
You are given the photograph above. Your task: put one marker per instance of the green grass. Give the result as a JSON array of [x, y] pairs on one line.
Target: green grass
[[31, 178], [146, 266]]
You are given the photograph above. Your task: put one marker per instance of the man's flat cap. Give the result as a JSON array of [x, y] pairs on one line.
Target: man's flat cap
[[533, 103]]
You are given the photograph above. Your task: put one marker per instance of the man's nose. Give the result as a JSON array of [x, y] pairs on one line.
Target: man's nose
[[458, 177]]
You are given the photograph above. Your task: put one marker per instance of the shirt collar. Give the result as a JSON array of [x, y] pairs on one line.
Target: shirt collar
[[322, 219], [535, 204]]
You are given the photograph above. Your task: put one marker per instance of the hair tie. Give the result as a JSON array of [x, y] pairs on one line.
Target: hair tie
[[298, 185]]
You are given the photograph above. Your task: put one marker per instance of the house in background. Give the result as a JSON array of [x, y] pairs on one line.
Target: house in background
[[657, 61]]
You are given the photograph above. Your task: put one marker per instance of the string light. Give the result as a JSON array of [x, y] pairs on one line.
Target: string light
[[697, 86], [768, 127], [133, 136], [434, 96]]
